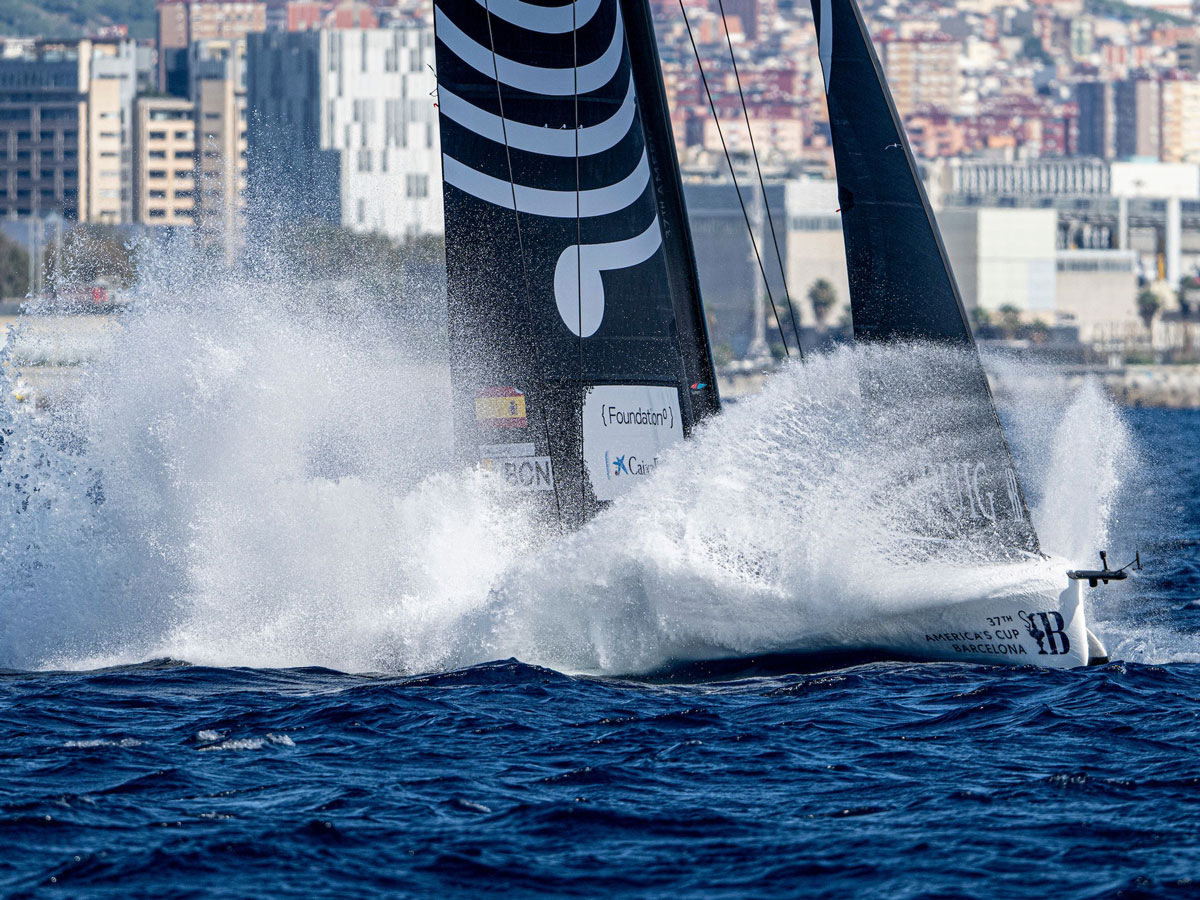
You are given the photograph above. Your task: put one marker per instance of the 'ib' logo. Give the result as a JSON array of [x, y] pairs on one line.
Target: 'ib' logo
[[1048, 630]]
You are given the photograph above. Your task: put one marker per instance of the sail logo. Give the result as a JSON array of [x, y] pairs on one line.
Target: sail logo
[[590, 152], [961, 487], [1049, 630], [626, 428]]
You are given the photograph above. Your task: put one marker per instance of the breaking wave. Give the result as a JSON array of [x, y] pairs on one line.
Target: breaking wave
[[242, 478]]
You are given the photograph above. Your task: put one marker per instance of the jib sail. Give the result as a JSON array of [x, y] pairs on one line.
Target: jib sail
[[901, 283], [578, 343]]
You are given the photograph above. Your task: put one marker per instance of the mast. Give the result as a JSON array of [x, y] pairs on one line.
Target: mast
[[578, 347], [902, 287]]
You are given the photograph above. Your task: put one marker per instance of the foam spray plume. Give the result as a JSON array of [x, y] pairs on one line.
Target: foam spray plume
[[255, 473]]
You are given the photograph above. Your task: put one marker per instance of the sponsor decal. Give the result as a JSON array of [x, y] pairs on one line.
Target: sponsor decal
[[993, 642], [625, 429], [1003, 635], [523, 473], [699, 386], [491, 451], [502, 407]]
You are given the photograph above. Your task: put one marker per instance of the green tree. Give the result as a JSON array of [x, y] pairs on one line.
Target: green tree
[[14, 269], [1010, 320], [823, 298], [1148, 305], [1038, 331]]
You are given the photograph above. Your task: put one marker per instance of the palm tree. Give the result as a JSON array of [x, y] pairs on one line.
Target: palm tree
[[1010, 320], [823, 298], [1148, 305]]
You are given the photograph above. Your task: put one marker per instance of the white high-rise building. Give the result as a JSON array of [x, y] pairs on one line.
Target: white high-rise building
[[343, 127]]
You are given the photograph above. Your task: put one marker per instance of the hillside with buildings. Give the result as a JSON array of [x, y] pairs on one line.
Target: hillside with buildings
[[77, 18], [1059, 141]]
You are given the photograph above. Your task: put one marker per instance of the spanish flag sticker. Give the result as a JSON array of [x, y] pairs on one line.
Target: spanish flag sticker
[[500, 407]]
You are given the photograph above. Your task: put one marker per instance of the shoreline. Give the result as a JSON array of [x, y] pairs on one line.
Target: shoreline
[[1159, 386]]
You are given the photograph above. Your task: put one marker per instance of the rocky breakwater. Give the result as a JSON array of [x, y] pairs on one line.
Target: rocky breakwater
[[1170, 386]]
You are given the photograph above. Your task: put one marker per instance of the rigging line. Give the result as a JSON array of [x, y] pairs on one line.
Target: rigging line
[[537, 356], [733, 175], [762, 185], [578, 257]]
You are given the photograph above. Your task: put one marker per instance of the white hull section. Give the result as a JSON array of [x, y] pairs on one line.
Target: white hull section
[[1050, 632], [1008, 621]]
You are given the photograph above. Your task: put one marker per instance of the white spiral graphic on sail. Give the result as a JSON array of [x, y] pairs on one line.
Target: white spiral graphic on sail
[[534, 79], [578, 285], [825, 42], [546, 19], [541, 139], [544, 202]]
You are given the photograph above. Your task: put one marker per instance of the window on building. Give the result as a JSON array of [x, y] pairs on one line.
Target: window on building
[[158, 195], [183, 173], [158, 214], [46, 136], [416, 186], [158, 135], [156, 173], [183, 154], [157, 154], [184, 135], [362, 211]]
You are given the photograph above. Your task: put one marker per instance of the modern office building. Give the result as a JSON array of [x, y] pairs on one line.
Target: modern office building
[[342, 127], [1138, 106], [66, 121], [218, 93], [1097, 119], [182, 22]]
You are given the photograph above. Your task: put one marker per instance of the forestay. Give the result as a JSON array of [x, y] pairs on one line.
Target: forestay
[[902, 287], [578, 343]]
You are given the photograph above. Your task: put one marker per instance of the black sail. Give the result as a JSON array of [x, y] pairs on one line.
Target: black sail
[[902, 287], [578, 350]]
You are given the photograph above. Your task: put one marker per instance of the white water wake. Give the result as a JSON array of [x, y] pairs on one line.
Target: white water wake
[[245, 479]]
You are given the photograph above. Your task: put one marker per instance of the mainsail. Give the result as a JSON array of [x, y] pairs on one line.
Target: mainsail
[[578, 343], [902, 287]]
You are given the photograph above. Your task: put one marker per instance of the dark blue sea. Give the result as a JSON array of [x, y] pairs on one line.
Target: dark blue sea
[[171, 780]]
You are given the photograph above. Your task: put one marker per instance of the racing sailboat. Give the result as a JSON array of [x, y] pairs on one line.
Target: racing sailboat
[[579, 348]]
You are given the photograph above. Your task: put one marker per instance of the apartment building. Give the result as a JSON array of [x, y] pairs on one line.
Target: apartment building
[[923, 73], [164, 154], [66, 130], [183, 22], [1181, 120], [218, 93], [1139, 117], [342, 126]]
